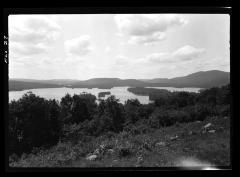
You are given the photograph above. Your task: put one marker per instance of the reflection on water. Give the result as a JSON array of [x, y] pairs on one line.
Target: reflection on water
[[120, 93]]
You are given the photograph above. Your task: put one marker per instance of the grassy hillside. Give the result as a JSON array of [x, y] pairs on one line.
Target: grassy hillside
[[176, 145]]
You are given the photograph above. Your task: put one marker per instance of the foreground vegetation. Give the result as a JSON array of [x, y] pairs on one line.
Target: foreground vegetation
[[144, 147], [78, 132]]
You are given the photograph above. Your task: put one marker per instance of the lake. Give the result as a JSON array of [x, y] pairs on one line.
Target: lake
[[120, 93]]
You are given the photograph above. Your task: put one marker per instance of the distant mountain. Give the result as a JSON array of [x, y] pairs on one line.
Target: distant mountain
[[201, 79], [156, 80], [108, 83], [21, 85], [50, 81]]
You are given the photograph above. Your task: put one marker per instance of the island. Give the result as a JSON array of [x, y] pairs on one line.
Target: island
[[102, 94], [151, 92]]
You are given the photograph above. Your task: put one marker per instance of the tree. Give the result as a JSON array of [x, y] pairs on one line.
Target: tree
[[55, 123], [132, 109], [84, 107], [32, 123], [114, 110], [66, 107]]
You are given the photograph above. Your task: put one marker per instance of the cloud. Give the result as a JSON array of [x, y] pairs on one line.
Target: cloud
[[147, 28], [164, 64], [185, 53], [31, 34], [20, 49], [107, 49], [148, 39], [121, 60], [214, 63], [78, 46], [188, 52]]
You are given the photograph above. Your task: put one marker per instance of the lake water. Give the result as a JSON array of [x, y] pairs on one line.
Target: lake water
[[172, 89], [120, 93]]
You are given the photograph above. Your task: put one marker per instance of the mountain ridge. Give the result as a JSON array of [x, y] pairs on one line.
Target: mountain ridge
[[201, 79]]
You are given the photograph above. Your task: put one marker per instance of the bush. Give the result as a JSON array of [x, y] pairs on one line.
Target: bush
[[145, 111], [179, 116], [131, 108], [124, 151], [13, 158], [140, 127], [223, 110], [33, 122], [114, 112], [77, 108], [201, 112], [161, 117]]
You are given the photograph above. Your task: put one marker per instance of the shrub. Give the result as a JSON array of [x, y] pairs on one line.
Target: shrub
[[115, 112], [201, 112], [124, 151], [145, 111], [161, 117], [77, 108], [223, 110], [33, 122], [13, 158]]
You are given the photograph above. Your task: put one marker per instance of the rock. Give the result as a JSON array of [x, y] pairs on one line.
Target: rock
[[186, 149], [160, 144], [97, 151], [190, 133], [110, 151], [207, 125], [174, 138], [124, 151], [102, 146], [211, 131], [221, 128], [92, 157], [156, 165], [140, 159]]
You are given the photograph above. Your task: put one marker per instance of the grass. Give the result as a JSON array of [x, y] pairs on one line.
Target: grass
[[140, 150]]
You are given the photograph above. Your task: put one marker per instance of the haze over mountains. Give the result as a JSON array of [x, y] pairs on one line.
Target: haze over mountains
[[202, 79]]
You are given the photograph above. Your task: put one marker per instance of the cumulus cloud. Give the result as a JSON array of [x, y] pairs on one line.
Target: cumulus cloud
[[78, 46], [107, 49], [214, 63], [20, 49], [31, 34], [121, 60], [148, 39], [147, 28], [188, 52], [185, 53]]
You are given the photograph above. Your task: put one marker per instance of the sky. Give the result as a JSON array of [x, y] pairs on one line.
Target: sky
[[126, 46]]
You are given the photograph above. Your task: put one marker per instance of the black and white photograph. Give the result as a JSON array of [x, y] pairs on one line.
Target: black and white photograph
[[119, 90]]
